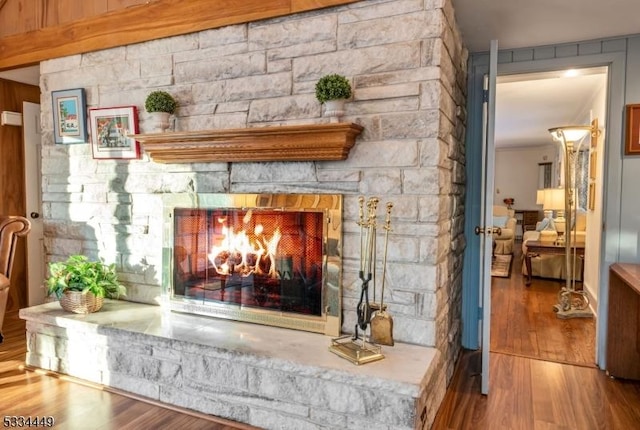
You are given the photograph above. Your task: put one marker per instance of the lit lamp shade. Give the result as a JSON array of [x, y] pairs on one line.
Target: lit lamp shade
[[571, 133], [553, 200], [540, 197]]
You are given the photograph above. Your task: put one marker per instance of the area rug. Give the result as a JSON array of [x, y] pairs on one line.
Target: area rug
[[501, 266]]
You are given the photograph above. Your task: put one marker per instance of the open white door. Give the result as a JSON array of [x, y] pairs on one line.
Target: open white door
[[32, 175], [486, 227]]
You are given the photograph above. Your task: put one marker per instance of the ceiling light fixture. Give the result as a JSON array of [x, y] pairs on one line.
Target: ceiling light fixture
[[571, 73]]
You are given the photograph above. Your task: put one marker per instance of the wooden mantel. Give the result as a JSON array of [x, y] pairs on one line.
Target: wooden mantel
[[309, 142]]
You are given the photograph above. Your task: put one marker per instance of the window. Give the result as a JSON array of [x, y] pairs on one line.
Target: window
[[544, 175], [582, 179]]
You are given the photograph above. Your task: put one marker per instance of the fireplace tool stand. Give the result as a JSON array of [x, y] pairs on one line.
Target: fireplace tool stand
[[357, 348]]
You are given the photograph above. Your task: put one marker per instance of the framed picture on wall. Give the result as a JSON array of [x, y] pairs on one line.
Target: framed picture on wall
[[69, 116], [110, 131], [632, 135], [596, 134], [593, 164], [592, 196]]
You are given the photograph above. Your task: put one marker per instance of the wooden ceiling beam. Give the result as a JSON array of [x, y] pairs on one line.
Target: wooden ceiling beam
[[142, 23]]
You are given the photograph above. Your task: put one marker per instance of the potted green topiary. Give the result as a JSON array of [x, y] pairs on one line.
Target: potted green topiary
[[332, 91], [160, 104], [81, 285]]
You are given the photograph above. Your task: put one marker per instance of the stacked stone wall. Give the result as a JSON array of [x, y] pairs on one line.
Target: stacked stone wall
[[407, 66]]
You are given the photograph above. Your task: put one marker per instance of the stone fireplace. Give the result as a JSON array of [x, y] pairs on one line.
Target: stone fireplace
[[407, 67], [272, 259]]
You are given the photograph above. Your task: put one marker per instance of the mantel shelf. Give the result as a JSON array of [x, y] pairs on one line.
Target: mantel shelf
[[308, 142]]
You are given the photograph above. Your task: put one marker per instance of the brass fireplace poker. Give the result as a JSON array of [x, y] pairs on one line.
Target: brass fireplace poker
[[368, 266], [357, 348], [382, 323]]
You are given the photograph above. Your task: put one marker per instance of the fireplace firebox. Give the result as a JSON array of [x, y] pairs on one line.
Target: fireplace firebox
[[272, 259]]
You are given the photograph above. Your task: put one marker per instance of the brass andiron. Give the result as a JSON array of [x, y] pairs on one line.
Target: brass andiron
[[358, 348]]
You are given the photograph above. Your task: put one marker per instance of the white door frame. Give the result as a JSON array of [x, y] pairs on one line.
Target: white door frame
[[33, 202], [488, 174], [612, 181], [615, 63]]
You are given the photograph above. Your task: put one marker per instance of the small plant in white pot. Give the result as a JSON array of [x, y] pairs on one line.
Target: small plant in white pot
[[81, 285], [160, 105], [332, 91]]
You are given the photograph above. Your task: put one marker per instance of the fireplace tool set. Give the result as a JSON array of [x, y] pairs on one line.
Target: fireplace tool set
[[358, 348]]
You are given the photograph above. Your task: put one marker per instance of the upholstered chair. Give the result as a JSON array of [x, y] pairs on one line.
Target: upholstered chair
[[11, 227], [504, 218]]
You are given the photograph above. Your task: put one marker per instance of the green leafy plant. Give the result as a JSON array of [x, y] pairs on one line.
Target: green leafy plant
[[332, 87], [160, 101], [80, 274]]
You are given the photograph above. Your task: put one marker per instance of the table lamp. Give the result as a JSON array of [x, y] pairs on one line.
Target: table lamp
[[554, 201], [540, 194]]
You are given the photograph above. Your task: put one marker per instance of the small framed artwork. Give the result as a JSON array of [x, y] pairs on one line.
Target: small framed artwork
[[69, 116], [592, 196], [632, 138], [110, 131], [595, 134], [593, 164]]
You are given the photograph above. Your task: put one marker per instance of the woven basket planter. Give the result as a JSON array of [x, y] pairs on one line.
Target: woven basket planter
[[76, 302]]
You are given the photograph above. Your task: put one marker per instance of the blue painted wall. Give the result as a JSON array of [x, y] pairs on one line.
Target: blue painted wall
[[621, 237]]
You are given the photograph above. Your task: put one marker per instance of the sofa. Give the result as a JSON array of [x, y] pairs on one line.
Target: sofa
[[504, 218], [554, 266]]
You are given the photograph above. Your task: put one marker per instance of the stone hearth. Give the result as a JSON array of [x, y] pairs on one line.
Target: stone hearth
[[407, 67], [268, 377]]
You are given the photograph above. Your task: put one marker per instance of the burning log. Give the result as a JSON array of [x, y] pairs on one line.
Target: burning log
[[244, 255]]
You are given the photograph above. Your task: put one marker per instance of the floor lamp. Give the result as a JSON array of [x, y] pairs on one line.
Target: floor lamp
[[571, 302]]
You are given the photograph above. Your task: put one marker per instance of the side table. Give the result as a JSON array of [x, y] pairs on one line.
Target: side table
[[536, 247]]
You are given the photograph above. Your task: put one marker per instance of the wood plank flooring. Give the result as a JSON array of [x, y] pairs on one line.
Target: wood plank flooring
[[526, 393], [523, 322], [542, 372]]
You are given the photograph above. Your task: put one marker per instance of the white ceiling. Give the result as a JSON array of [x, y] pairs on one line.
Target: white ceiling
[[524, 23], [528, 105], [526, 109], [26, 75]]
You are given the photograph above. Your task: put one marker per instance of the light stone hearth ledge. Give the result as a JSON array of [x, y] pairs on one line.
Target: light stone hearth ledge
[[268, 377]]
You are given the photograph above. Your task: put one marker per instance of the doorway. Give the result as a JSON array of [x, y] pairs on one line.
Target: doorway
[[18, 87], [523, 320]]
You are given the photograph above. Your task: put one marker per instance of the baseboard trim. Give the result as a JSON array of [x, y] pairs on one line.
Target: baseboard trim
[[593, 301]]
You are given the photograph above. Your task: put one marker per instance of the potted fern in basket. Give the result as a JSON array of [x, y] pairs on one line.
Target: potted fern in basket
[[81, 285]]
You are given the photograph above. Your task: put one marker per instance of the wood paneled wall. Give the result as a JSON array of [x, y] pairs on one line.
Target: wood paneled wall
[[12, 187], [22, 16], [32, 31]]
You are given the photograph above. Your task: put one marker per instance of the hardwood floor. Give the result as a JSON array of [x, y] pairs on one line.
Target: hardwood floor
[[526, 393], [535, 394], [523, 322], [81, 406], [541, 370]]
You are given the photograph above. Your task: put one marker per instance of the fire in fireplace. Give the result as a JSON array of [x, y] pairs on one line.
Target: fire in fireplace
[[262, 258]]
